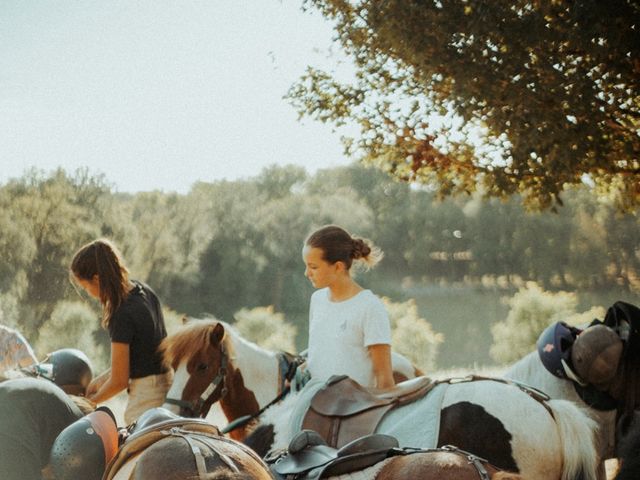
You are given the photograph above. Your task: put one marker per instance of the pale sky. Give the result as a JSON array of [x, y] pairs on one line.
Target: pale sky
[[159, 94]]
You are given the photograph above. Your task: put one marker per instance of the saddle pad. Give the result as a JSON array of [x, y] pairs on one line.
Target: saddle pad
[[415, 425]]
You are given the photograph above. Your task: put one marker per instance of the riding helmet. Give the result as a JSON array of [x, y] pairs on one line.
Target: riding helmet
[[69, 368], [84, 449], [554, 348]]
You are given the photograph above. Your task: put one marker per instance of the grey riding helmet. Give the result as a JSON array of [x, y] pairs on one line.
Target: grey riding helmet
[[84, 449], [554, 348], [69, 368]]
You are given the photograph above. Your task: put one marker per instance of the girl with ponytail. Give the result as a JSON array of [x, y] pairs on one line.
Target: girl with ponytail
[[349, 328], [132, 314]]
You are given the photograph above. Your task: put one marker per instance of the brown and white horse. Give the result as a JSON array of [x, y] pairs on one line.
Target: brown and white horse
[[213, 362], [494, 420]]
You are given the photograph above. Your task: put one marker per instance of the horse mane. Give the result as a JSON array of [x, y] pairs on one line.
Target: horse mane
[[193, 336]]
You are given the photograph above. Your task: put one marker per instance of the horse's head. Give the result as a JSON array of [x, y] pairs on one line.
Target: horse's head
[[199, 354]]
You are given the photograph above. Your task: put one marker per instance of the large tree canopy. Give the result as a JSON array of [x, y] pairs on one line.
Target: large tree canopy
[[533, 96]]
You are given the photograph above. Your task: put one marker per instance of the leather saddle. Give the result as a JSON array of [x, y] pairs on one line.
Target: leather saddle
[[148, 434], [308, 457], [343, 410]]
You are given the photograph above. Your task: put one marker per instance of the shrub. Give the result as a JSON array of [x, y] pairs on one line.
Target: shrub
[[172, 320], [72, 325], [413, 336], [266, 328], [532, 309]]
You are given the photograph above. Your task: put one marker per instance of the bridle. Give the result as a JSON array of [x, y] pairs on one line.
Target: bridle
[[287, 367], [217, 384]]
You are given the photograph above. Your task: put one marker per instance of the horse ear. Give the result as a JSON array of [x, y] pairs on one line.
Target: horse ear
[[217, 334]]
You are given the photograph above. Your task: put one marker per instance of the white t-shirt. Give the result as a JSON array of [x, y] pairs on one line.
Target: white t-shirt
[[340, 332]]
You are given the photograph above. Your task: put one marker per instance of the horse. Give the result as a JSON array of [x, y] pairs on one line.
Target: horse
[[166, 446], [442, 464], [494, 419], [216, 356], [378, 457], [213, 362], [603, 406]]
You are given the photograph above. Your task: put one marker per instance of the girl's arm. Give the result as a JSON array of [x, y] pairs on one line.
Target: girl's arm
[[117, 378], [381, 358]]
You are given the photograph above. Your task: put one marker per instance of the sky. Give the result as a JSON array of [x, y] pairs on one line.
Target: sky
[[157, 95]]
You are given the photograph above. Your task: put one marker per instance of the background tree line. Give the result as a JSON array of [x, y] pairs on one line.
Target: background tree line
[[230, 247]]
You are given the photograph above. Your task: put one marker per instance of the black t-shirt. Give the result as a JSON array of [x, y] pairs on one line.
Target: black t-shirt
[[139, 322], [33, 412]]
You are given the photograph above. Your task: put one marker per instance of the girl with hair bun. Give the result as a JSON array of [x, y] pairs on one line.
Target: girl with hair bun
[[132, 314], [349, 328]]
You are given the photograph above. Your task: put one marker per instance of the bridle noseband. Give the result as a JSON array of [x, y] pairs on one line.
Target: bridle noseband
[[218, 383]]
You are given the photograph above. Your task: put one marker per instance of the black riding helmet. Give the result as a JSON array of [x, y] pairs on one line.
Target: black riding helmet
[[69, 368], [554, 348], [84, 449]]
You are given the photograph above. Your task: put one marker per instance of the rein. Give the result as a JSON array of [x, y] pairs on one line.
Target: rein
[[195, 407]]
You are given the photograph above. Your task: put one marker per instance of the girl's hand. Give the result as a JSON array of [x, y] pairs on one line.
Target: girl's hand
[[382, 370], [93, 387]]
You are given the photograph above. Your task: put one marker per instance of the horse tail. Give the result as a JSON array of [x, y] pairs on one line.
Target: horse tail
[[577, 438]]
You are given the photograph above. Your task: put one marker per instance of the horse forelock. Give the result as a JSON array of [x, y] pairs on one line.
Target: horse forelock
[[192, 338]]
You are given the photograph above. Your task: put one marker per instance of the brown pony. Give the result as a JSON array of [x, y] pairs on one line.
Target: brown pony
[[442, 465], [497, 421], [174, 448], [378, 458]]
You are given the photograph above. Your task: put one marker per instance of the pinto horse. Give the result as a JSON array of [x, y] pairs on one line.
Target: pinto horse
[[212, 362], [625, 388], [494, 420]]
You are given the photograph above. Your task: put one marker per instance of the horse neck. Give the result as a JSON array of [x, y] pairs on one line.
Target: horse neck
[[259, 368], [531, 371]]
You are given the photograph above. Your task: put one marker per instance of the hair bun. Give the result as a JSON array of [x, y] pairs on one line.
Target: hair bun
[[360, 248]]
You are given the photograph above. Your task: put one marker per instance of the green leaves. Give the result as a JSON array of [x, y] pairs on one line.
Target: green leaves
[[554, 83]]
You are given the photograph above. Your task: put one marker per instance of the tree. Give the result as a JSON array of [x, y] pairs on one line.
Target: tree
[[499, 97], [54, 214]]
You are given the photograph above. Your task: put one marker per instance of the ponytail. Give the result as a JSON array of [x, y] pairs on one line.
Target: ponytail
[[101, 258]]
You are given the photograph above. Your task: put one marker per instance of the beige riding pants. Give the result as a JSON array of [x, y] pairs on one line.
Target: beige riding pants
[[145, 393]]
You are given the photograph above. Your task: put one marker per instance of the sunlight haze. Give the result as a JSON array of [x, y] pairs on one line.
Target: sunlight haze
[[159, 95]]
